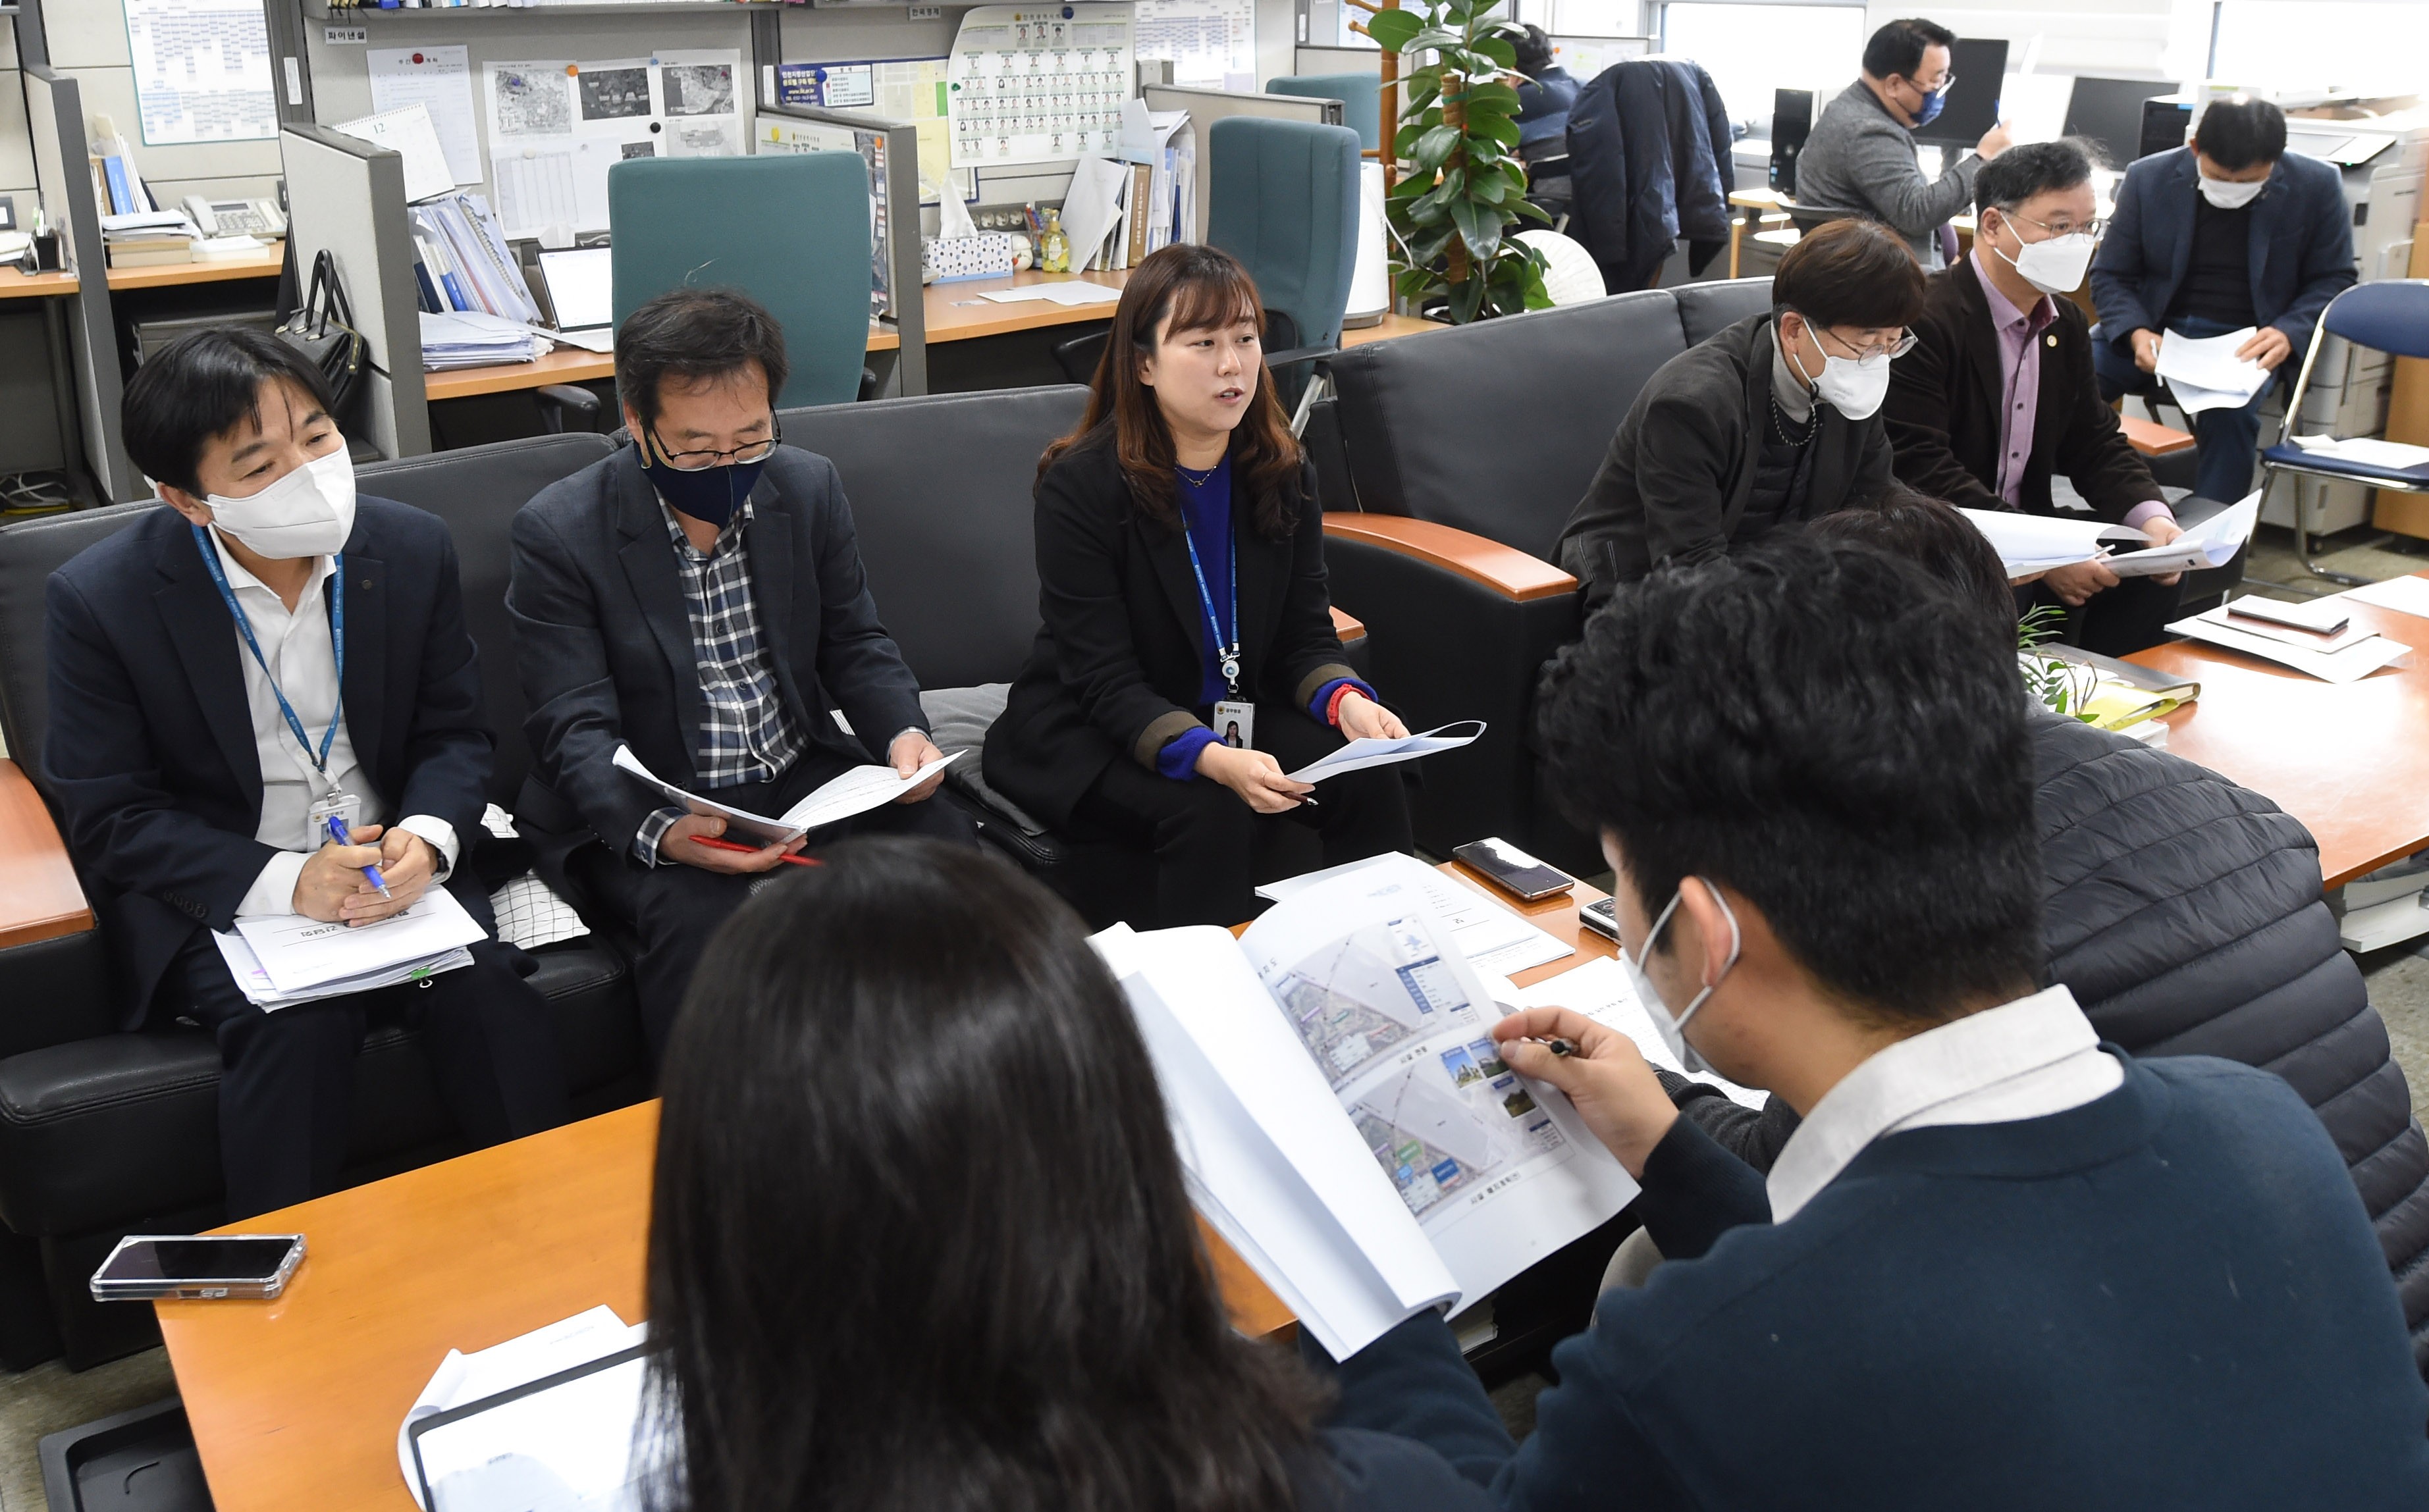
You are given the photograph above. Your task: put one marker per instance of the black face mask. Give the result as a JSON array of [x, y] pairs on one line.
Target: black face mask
[[712, 494]]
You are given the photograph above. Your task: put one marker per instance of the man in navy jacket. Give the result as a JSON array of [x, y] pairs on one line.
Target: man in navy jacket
[[2006, 1264], [2225, 232], [224, 673]]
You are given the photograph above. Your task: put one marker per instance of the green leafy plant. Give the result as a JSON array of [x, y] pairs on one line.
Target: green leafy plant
[[2062, 686], [1464, 186]]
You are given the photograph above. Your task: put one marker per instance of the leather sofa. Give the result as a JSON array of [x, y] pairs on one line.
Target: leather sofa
[[1443, 546], [105, 1133]]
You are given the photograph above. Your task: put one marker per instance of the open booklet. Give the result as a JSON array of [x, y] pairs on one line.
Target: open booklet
[[1372, 750], [1341, 1113], [857, 791]]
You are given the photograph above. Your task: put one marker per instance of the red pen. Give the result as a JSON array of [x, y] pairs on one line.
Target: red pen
[[728, 844]]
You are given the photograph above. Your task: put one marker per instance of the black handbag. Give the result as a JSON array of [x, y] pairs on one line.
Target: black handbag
[[324, 330]]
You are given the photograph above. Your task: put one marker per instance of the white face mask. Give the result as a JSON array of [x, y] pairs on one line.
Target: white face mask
[[1674, 1031], [2227, 194], [2055, 266], [1853, 387], [310, 512]]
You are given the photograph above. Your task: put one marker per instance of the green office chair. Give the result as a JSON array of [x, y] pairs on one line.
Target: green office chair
[[790, 231], [1361, 96]]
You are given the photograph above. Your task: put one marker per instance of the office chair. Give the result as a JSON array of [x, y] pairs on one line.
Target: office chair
[[1281, 197], [2391, 316], [1361, 96], [790, 231]]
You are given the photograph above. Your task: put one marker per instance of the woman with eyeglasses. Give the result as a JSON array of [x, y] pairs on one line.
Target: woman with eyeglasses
[[1181, 579], [920, 1239], [1773, 421]]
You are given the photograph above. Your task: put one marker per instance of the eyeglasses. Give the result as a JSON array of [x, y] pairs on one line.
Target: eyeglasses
[[702, 460], [1899, 348], [1947, 81], [2094, 229]]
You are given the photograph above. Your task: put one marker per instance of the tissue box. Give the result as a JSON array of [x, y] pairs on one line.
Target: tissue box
[[987, 254]]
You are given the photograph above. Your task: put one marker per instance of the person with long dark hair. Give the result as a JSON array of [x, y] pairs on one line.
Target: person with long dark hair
[[919, 1239], [1180, 578]]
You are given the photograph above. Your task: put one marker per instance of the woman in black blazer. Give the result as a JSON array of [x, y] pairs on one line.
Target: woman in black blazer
[[1180, 578]]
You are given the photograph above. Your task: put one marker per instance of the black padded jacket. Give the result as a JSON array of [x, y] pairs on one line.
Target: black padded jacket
[[2185, 915]]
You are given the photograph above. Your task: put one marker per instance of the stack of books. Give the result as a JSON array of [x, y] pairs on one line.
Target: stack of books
[[2121, 695], [149, 238]]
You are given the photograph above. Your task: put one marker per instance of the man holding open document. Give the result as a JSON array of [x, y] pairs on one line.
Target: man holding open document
[[266, 745]]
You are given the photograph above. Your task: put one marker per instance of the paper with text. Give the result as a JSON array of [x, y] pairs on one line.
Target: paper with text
[[299, 954], [1358, 755], [858, 790]]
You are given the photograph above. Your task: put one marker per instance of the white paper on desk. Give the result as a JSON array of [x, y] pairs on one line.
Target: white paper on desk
[[1599, 990], [1492, 936], [2204, 373], [408, 133], [1075, 292], [2212, 543], [2368, 450], [1359, 754], [2027, 544], [462, 1378], [2354, 662], [440, 79], [2405, 596], [857, 791], [299, 954], [1091, 205]]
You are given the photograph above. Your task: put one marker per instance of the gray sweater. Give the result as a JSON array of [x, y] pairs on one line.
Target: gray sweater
[[1859, 161]]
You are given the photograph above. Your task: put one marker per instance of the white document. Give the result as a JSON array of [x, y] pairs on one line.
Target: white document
[[440, 79], [408, 132], [462, 1379], [1358, 755], [1072, 293], [1342, 1115], [299, 954], [1213, 43], [2204, 373], [2368, 450], [856, 791], [2405, 596], [263, 994], [2036, 543], [1091, 205], [201, 70], [2212, 543], [2357, 660], [1599, 990], [1492, 936]]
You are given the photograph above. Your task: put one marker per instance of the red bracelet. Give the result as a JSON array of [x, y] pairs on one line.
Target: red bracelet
[[1332, 705]]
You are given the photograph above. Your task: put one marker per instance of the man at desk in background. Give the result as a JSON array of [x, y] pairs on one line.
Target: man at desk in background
[[698, 597], [2224, 234], [1860, 159], [223, 672], [1998, 394]]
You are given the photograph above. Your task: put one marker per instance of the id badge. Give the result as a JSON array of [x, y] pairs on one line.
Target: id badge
[[1236, 725], [348, 809]]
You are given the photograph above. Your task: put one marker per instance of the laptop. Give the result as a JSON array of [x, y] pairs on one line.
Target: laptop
[[581, 289]]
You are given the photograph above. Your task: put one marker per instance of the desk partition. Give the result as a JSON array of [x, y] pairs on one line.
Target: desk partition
[[897, 205], [56, 119], [1206, 107], [347, 197]]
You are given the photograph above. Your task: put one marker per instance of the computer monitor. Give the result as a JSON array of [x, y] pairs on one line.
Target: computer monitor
[[1980, 64], [2109, 113], [581, 286]]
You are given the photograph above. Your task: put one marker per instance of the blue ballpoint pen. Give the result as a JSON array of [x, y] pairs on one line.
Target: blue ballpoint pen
[[338, 832]]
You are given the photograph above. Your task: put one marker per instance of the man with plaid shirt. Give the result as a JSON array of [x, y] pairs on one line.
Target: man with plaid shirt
[[698, 597]]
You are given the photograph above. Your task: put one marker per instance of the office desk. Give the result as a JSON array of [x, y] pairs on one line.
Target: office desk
[[2352, 762], [14, 285], [295, 1403], [263, 264]]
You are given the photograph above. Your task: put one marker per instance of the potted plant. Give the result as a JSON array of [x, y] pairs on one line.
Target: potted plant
[[1464, 188]]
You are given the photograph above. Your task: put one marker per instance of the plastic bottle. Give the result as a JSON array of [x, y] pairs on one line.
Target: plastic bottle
[[1055, 256]]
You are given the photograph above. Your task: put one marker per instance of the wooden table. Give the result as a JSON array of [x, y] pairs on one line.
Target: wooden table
[[263, 264], [295, 1403], [2351, 762], [15, 285], [954, 312]]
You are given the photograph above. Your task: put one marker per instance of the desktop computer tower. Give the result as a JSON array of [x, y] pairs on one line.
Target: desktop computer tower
[[1791, 122]]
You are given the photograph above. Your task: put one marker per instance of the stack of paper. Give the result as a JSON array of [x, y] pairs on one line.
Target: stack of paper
[[468, 339], [582, 1439], [149, 238], [279, 959], [2212, 543], [461, 260], [2203, 372], [2031, 544], [2351, 658], [2368, 451]]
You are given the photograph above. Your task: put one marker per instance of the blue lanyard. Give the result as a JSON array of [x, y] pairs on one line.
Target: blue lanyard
[[336, 644], [1228, 654]]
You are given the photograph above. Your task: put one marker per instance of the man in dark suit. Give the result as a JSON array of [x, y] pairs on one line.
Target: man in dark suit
[[226, 672], [1998, 395], [699, 598], [2224, 234]]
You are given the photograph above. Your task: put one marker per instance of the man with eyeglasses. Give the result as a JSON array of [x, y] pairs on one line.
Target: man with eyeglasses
[[698, 597], [1860, 159], [1770, 422], [1998, 396]]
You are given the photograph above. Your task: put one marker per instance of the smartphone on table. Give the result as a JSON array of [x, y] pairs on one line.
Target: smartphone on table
[[1602, 918], [1513, 870], [157, 1267]]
